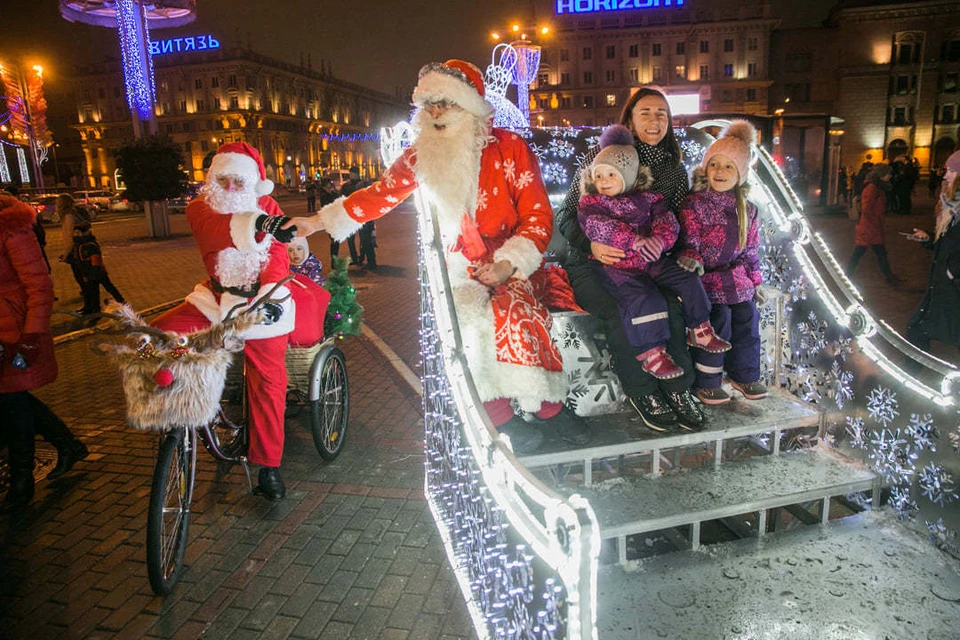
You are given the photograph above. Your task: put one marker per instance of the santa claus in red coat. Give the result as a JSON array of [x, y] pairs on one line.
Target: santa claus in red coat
[[237, 227], [495, 220]]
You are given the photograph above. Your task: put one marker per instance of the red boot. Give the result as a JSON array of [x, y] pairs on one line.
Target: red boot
[[658, 363], [704, 337]]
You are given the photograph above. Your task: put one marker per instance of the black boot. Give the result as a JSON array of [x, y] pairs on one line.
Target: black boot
[[48, 425], [689, 414], [18, 414], [524, 437], [271, 484], [21, 489]]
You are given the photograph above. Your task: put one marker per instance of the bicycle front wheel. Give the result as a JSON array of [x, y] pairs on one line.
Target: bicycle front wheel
[[168, 517], [330, 412]]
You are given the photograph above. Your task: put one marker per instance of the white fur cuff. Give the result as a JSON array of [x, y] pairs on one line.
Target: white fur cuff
[[337, 222], [243, 230], [522, 253]]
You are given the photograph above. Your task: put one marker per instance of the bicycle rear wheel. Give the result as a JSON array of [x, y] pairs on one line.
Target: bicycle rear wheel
[[330, 412], [168, 516]]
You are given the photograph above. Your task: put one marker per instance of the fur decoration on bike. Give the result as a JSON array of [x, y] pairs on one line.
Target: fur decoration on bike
[[171, 380]]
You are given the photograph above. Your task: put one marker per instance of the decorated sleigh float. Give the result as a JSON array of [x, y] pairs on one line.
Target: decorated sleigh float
[[827, 510]]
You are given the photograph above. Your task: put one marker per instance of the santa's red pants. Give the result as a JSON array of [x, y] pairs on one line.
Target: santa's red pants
[[266, 383]]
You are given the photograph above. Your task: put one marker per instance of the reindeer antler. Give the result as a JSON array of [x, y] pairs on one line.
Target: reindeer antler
[[259, 302]]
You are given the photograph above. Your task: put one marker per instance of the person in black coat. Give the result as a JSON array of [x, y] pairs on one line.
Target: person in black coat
[[938, 316]]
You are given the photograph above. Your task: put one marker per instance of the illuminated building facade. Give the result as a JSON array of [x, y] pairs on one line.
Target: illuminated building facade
[[717, 56], [891, 70], [302, 120]]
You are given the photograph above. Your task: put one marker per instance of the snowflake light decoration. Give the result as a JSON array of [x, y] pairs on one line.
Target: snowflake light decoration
[[842, 385], [554, 172], [856, 436], [923, 431], [936, 484], [903, 502], [561, 148], [883, 405]]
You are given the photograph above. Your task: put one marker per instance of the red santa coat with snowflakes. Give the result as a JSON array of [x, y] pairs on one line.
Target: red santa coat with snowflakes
[[505, 330]]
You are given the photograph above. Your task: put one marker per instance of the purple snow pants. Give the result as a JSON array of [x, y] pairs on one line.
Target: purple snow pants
[[643, 308], [740, 324]]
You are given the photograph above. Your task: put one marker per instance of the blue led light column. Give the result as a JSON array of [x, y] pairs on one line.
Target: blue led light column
[[137, 64], [525, 72]]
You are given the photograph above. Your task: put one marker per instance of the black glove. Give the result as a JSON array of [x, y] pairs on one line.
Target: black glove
[[271, 312], [272, 224], [28, 348]]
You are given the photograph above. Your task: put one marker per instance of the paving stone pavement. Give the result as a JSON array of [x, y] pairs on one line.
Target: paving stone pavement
[[352, 552]]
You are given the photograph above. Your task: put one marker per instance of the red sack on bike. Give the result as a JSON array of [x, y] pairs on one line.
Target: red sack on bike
[[311, 302]]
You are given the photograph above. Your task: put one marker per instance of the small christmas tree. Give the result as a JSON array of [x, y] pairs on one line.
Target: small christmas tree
[[344, 315]]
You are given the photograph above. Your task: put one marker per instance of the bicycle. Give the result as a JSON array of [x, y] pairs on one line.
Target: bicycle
[[317, 374]]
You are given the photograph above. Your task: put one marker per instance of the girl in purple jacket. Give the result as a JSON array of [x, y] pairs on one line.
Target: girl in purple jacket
[[616, 210], [719, 237]]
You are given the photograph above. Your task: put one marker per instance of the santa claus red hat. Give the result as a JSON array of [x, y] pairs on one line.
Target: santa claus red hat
[[240, 159], [455, 81]]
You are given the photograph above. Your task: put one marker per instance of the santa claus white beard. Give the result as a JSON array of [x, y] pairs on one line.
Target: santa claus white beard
[[225, 201], [448, 163]]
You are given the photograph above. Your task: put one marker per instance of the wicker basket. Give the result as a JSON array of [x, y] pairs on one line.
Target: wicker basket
[[299, 361]]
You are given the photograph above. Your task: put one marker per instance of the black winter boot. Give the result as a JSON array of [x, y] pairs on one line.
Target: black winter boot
[[270, 484], [48, 425]]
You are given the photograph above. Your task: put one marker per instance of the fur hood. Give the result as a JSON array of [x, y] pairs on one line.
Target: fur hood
[[644, 181], [699, 182], [15, 216]]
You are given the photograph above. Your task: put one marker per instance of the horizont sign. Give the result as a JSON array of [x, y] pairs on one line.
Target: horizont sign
[[594, 6]]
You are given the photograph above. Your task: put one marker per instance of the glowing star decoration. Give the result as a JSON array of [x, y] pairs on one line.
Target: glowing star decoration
[[137, 62]]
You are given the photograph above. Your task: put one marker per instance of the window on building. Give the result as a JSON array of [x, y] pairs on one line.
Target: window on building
[[752, 69], [231, 80], [204, 145], [726, 95], [635, 74], [234, 102], [951, 51], [164, 86], [564, 78], [903, 56], [588, 77], [588, 102], [946, 113], [728, 70], [751, 95], [656, 50], [611, 99], [681, 48], [799, 92], [704, 72], [588, 53], [657, 74], [950, 82], [101, 93], [680, 71], [704, 46], [183, 106], [753, 44], [611, 52], [564, 55], [728, 45], [611, 75], [565, 102], [634, 51], [216, 102], [215, 82], [201, 105], [899, 116], [544, 102], [543, 79], [197, 83], [117, 91], [902, 85], [86, 95]]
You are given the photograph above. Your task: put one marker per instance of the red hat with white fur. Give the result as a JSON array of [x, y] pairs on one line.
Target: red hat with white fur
[[240, 159], [456, 81]]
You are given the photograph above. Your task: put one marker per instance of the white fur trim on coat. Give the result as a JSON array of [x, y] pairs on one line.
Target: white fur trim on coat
[[243, 232], [216, 311], [522, 253], [442, 86], [530, 386], [337, 222]]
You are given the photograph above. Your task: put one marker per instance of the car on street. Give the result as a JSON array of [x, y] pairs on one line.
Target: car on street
[[98, 198], [120, 203], [46, 207], [338, 176]]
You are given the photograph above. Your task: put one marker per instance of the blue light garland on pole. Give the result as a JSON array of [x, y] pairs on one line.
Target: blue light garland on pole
[[137, 63]]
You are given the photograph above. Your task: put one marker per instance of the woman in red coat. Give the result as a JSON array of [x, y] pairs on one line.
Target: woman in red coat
[[27, 362], [873, 212]]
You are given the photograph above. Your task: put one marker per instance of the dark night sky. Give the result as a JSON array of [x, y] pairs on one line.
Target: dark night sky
[[374, 43]]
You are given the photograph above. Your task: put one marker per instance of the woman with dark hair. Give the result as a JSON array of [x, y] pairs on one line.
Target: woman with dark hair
[[662, 404]]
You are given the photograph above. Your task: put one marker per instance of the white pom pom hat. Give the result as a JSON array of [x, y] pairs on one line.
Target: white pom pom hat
[[240, 159]]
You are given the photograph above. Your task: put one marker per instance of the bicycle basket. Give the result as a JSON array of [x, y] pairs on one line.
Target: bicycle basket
[[172, 380]]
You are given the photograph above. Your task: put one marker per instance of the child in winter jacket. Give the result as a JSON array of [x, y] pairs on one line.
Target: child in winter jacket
[[88, 258], [616, 210], [719, 237], [304, 262]]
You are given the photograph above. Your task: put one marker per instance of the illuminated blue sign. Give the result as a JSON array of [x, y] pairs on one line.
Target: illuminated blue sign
[[593, 6], [181, 45]]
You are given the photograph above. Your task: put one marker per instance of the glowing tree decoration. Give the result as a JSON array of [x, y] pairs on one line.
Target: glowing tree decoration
[[133, 20], [525, 72]]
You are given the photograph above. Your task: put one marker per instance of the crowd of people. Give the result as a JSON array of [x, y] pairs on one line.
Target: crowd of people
[[668, 267]]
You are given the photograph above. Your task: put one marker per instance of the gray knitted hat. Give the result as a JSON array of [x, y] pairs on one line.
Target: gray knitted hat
[[617, 151]]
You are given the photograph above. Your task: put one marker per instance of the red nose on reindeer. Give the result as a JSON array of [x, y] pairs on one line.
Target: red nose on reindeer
[[163, 377]]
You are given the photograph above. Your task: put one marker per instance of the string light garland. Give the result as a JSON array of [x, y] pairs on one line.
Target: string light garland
[[22, 160], [4, 167], [137, 62]]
